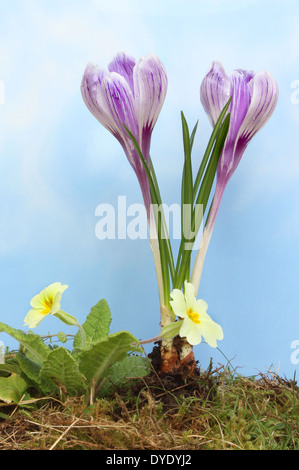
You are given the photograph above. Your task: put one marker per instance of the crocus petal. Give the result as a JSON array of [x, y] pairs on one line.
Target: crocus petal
[[131, 94], [91, 81], [239, 103], [215, 91], [264, 96], [150, 87], [123, 64], [116, 98]]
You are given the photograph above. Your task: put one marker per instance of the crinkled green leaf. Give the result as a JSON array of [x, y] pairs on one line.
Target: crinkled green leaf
[[32, 371], [61, 367], [30, 341], [62, 337], [96, 325], [120, 372], [7, 369], [95, 361], [12, 388]]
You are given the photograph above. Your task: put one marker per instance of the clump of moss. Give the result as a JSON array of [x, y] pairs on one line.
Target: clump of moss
[[211, 410]]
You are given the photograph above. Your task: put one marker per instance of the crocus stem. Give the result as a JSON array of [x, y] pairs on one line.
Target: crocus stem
[[206, 237], [169, 356], [154, 243]]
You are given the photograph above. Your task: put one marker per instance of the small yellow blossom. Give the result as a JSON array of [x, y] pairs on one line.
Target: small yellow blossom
[[196, 321], [47, 302]]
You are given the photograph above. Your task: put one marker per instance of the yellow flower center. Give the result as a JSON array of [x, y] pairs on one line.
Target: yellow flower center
[[48, 304], [193, 316]]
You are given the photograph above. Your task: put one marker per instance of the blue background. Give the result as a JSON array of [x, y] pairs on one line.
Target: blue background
[[57, 164]]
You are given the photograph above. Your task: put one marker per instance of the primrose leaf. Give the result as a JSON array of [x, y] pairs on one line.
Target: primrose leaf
[[96, 325], [12, 388], [120, 372], [95, 361], [32, 371], [61, 367], [32, 342]]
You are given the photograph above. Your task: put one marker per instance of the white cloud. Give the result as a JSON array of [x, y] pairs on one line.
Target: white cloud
[[178, 8]]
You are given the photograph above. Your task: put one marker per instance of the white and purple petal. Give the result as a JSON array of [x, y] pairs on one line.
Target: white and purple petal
[[215, 91], [150, 87], [254, 98], [264, 95], [89, 88], [124, 64], [116, 98]]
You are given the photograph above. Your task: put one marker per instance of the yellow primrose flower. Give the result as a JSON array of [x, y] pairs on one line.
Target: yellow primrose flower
[[47, 302], [196, 321]]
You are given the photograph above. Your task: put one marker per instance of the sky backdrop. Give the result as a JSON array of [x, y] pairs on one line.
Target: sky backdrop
[[57, 164]]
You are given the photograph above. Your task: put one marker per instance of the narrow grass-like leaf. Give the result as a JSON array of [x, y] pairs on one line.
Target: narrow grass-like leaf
[[165, 255], [187, 178], [187, 172], [165, 229], [209, 147], [203, 195], [193, 136]]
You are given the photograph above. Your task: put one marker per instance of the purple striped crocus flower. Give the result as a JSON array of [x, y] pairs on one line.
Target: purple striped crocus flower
[[253, 100], [130, 93]]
